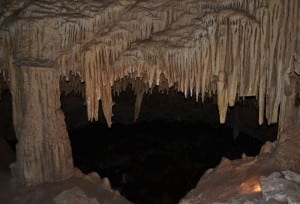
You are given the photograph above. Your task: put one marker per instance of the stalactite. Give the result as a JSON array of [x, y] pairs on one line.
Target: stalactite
[[107, 104], [221, 70], [205, 63], [222, 97], [139, 91], [233, 75], [182, 67], [131, 30], [276, 17], [253, 62], [233, 49], [212, 29], [263, 18]]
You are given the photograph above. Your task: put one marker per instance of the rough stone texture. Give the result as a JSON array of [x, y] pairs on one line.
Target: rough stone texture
[[93, 177], [279, 188], [231, 182], [287, 151], [74, 190], [247, 181], [43, 149], [74, 196], [292, 176]]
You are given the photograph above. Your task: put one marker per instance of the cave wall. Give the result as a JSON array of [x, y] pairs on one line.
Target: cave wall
[[232, 49]]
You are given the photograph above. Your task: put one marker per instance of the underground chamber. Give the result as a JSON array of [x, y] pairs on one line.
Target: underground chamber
[[213, 62]]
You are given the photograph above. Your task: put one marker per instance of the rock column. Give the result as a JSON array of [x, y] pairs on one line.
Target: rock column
[[43, 150]]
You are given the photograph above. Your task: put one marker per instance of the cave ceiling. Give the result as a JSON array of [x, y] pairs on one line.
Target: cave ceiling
[[231, 49]]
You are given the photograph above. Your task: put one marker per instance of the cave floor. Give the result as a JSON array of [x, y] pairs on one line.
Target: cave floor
[[230, 179], [230, 182], [81, 187]]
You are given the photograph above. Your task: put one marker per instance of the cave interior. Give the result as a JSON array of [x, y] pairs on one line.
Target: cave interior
[[143, 91]]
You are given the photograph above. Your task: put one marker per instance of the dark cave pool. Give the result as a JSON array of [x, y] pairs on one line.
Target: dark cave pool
[[156, 162]]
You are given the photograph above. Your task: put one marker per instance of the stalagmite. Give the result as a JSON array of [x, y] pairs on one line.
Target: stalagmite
[[230, 49]]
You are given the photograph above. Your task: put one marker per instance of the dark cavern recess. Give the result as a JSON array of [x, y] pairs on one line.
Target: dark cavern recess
[[156, 101], [161, 156]]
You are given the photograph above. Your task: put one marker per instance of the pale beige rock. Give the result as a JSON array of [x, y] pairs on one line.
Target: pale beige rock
[[105, 183], [93, 177]]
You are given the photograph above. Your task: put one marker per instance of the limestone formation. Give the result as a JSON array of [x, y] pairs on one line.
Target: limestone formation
[[43, 151], [229, 48]]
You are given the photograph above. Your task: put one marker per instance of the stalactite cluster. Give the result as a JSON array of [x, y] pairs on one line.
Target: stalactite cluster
[[232, 49]]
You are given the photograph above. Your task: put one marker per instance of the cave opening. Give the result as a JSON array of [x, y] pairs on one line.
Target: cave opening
[[161, 156]]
